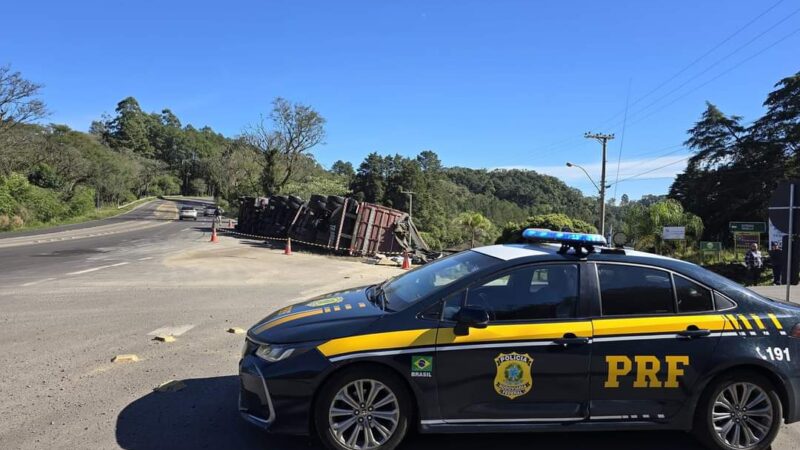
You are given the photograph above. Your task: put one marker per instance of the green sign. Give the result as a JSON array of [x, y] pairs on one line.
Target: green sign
[[752, 227], [708, 246], [421, 366]]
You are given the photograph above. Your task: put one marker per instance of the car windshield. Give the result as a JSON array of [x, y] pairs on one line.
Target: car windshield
[[407, 289]]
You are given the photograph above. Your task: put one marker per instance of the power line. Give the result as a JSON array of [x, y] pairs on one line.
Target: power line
[[622, 138], [737, 65], [717, 62], [700, 58], [654, 169]]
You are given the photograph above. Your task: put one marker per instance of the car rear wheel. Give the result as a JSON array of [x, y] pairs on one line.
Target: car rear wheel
[[363, 409], [741, 411]]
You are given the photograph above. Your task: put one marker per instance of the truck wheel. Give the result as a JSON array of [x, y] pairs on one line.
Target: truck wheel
[[740, 411], [363, 409]]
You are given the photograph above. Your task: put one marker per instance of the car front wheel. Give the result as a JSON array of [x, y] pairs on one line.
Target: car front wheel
[[741, 411], [363, 409]]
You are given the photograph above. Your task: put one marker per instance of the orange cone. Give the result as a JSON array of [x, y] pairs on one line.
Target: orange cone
[[214, 234], [406, 261], [288, 249]]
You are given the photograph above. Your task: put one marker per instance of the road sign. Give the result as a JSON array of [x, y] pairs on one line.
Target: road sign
[[743, 239], [673, 233], [779, 205], [707, 246], [760, 227]]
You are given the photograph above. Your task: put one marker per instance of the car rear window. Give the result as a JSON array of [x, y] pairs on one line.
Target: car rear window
[[691, 296], [634, 290]]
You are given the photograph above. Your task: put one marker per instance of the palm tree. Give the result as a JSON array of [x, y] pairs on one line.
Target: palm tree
[[475, 224]]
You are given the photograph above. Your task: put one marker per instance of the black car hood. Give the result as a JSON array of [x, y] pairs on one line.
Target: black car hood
[[328, 316]]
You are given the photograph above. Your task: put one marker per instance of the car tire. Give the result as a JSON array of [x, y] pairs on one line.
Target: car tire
[[396, 414], [717, 410]]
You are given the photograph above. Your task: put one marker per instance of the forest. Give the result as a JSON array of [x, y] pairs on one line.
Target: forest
[[50, 173]]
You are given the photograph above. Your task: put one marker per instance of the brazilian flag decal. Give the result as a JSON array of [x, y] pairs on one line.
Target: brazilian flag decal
[[421, 366]]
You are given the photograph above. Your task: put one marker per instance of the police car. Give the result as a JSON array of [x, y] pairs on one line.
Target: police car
[[568, 336]]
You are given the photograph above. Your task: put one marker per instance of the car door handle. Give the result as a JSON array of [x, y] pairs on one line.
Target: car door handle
[[571, 339], [693, 332]]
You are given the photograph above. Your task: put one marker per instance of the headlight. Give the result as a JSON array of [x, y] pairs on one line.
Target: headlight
[[274, 353]]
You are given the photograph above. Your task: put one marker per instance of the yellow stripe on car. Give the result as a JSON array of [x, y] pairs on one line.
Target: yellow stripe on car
[[519, 332], [649, 325], [289, 318], [758, 322], [379, 341], [775, 321], [733, 321], [745, 322]]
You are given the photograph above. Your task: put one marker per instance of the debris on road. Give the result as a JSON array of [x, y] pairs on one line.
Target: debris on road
[[165, 338], [128, 357], [236, 330], [170, 386]]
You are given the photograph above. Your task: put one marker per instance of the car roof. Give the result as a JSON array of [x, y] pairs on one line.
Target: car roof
[[508, 252]]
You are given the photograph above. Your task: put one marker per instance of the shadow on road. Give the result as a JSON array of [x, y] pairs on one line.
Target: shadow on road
[[204, 415]]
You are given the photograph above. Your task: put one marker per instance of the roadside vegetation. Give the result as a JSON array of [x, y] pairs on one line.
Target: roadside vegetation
[[51, 174]]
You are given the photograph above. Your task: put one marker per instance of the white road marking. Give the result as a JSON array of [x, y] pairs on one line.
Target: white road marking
[[171, 331], [37, 282], [97, 268], [145, 258]]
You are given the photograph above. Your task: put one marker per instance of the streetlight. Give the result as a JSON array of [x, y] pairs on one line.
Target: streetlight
[[569, 164], [599, 191], [410, 201]]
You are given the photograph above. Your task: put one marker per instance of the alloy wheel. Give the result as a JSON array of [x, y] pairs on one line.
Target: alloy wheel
[[363, 415], [742, 415]]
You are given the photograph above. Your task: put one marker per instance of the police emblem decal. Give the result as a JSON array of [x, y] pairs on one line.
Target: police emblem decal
[[513, 378]]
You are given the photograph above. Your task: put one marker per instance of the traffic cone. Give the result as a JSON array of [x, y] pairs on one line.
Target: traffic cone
[[214, 234], [288, 249], [406, 261]]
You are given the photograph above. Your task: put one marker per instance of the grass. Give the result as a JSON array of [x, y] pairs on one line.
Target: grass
[[99, 213]]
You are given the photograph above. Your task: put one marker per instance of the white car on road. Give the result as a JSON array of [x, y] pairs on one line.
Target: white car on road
[[187, 212]]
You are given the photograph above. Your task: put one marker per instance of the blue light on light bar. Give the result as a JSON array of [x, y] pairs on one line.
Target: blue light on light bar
[[563, 237]]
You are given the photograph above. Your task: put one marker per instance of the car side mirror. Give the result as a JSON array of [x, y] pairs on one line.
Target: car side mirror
[[470, 317]]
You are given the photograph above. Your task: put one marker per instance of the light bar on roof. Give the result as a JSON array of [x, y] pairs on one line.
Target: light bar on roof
[[563, 237]]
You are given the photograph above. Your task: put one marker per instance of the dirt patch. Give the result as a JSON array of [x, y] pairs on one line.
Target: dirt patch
[[230, 263]]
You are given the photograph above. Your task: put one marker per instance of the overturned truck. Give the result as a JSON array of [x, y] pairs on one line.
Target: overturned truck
[[340, 224]]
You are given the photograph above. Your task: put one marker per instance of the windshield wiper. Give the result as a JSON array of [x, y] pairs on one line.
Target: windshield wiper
[[379, 295]]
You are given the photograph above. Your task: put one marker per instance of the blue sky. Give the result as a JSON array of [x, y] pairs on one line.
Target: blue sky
[[483, 83]]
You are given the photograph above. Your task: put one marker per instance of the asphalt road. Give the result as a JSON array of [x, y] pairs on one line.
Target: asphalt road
[[70, 301]]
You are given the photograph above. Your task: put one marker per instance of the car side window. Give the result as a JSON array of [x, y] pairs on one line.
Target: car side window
[[529, 293], [691, 296], [634, 290]]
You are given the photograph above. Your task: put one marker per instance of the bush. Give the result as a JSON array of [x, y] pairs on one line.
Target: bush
[[512, 232], [5, 222], [46, 205], [166, 185], [17, 222], [82, 202]]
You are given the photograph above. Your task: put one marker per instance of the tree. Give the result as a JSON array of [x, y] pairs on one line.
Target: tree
[[369, 182], [343, 168], [294, 130], [512, 231], [474, 224], [644, 224], [18, 100], [131, 129]]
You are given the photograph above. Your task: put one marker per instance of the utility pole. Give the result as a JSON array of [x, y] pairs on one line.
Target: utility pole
[[410, 202], [603, 139]]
